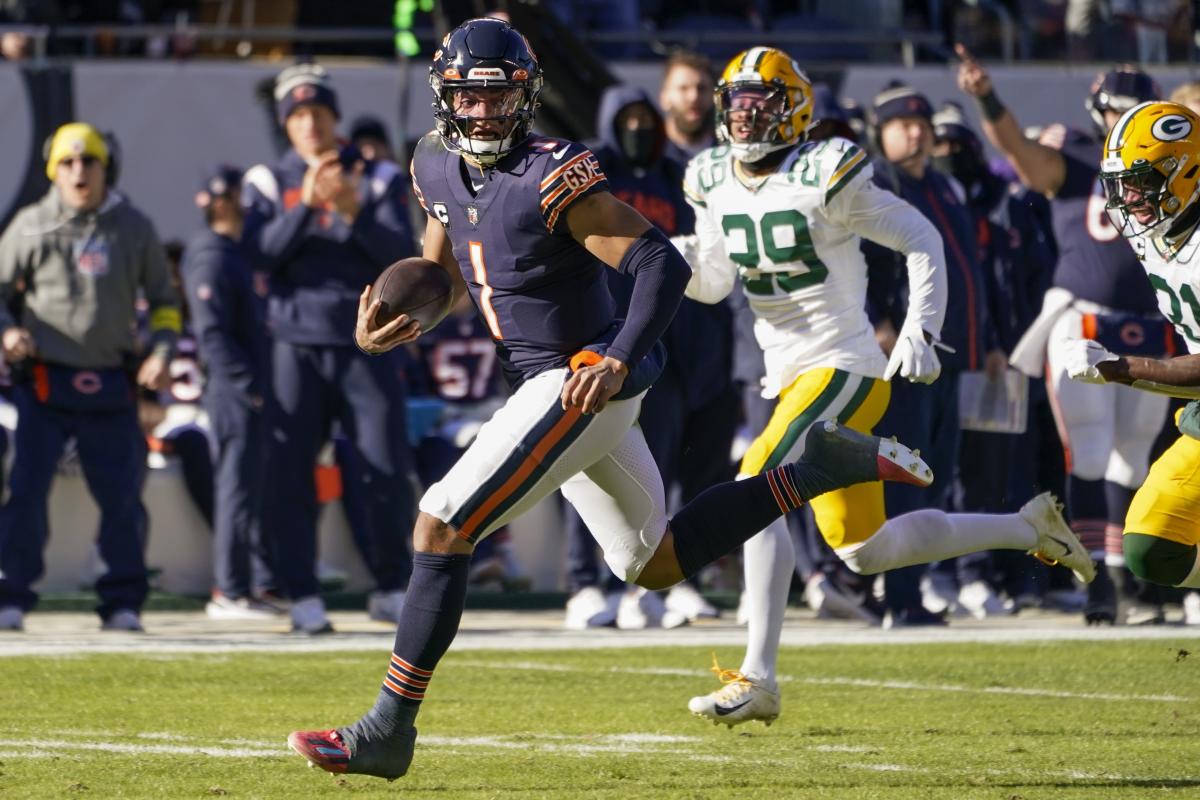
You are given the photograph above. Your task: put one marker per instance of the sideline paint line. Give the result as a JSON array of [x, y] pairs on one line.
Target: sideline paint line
[[64, 644], [833, 681]]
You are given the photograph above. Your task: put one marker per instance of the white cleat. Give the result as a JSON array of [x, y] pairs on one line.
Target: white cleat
[[741, 699], [639, 609], [591, 608], [981, 601], [683, 599], [241, 608], [1056, 542]]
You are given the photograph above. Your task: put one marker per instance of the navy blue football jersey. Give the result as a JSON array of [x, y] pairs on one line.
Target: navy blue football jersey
[[542, 295], [1094, 263]]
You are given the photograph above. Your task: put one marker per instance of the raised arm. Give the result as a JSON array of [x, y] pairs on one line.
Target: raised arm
[[1039, 167]]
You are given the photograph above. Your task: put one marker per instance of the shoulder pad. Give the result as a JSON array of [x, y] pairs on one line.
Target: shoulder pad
[[833, 164], [568, 172], [705, 170]]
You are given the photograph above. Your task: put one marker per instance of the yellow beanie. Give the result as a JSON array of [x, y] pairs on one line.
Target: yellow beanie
[[75, 139]]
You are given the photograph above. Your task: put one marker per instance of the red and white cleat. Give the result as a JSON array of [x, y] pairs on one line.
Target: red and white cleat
[[849, 457], [323, 749]]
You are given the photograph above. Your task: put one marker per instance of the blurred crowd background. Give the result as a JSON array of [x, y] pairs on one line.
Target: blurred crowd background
[[235, 360]]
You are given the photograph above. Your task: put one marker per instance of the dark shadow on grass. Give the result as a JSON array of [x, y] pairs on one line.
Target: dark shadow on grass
[[1101, 783]]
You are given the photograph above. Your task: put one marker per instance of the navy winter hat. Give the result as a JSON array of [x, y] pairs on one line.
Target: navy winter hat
[[304, 84], [900, 101], [219, 181]]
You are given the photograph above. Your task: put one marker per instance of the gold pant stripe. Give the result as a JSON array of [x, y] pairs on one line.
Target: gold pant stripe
[[846, 516], [1168, 504]]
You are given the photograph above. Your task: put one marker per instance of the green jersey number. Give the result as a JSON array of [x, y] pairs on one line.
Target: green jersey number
[[801, 249], [1176, 315]]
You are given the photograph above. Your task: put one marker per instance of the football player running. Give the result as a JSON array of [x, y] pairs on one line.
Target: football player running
[[1149, 173], [527, 225], [785, 216]]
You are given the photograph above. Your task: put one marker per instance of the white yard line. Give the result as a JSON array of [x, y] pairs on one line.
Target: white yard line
[[634, 743], [143, 749], [620, 743]]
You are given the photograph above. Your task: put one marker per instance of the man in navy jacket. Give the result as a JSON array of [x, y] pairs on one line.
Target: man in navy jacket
[[228, 326], [323, 223], [927, 414]]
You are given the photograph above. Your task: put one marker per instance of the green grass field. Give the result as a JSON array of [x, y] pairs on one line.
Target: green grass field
[[1088, 720]]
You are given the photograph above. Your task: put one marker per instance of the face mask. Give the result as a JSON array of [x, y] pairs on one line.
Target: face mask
[[961, 165], [639, 145]]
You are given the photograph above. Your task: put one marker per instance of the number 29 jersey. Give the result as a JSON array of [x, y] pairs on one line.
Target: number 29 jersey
[[796, 256]]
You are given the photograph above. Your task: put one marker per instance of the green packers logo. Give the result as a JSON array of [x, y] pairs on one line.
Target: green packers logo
[[1171, 128]]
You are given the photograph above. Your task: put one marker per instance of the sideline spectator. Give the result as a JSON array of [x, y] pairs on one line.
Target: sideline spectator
[[369, 135], [686, 99], [1099, 283], [323, 223], [227, 324], [926, 413], [1016, 248], [73, 263]]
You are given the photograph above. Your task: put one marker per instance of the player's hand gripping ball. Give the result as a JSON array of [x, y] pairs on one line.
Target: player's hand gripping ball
[[415, 288]]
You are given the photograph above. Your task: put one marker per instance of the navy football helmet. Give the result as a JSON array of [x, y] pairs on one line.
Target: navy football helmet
[[1119, 90], [485, 63]]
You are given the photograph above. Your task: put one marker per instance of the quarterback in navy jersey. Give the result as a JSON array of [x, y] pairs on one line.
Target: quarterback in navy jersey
[[1109, 429], [527, 226]]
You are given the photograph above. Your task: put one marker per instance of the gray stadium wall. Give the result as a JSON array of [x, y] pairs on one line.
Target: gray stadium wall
[[174, 119]]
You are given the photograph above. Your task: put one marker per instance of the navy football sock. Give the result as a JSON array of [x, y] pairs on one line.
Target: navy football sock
[[724, 516], [429, 620], [1087, 505]]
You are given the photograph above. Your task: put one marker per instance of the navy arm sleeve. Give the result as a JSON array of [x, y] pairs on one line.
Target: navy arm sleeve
[[659, 277], [213, 324]]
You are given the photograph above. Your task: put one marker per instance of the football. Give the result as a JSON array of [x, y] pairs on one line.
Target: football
[[415, 286]]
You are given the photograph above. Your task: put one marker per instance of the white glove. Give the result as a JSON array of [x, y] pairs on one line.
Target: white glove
[[913, 357], [1080, 357]]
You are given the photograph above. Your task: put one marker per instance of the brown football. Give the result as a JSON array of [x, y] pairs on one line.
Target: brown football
[[415, 286]]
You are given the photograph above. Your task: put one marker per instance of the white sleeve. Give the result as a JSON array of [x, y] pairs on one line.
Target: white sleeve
[[888, 220], [713, 274]]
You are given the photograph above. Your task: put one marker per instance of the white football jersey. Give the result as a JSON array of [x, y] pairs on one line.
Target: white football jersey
[[793, 240], [1176, 282]]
